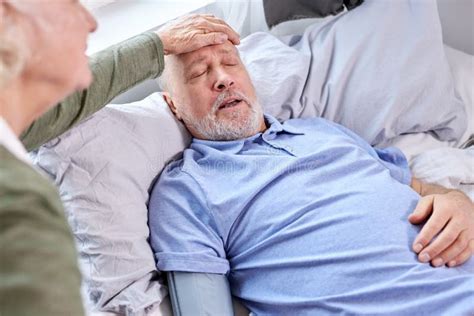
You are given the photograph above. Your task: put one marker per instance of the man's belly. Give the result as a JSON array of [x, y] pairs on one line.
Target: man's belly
[[348, 248]]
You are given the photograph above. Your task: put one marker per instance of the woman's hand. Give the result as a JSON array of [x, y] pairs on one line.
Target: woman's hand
[[192, 32], [448, 234]]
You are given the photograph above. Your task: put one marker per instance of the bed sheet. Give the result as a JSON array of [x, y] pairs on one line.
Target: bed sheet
[[450, 167], [163, 309], [438, 162]]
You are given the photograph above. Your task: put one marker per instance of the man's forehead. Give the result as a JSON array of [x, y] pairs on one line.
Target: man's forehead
[[204, 53]]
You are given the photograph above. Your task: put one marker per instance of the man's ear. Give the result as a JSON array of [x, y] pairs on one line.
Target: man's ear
[[171, 104]]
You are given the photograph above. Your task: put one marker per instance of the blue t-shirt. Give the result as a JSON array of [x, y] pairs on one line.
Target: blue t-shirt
[[305, 219]]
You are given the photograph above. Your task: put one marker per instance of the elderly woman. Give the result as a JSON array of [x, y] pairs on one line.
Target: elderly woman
[[42, 60]]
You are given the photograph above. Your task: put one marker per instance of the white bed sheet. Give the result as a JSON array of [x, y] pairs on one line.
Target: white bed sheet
[[449, 167], [163, 309]]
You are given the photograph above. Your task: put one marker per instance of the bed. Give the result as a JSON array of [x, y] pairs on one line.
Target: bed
[[311, 72]]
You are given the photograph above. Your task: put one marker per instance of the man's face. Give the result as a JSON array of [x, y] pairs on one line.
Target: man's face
[[211, 92]]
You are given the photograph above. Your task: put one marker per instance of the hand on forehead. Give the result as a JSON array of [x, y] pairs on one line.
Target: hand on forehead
[[192, 32]]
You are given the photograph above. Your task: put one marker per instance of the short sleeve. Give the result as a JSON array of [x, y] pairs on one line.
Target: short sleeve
[[396, 163], [182, 230]]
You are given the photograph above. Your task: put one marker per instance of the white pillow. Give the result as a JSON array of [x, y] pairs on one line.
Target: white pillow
[[378, 77], [103, 169], [462, 68]]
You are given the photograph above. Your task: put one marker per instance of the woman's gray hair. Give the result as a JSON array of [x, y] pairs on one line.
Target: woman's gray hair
[[14, 51]]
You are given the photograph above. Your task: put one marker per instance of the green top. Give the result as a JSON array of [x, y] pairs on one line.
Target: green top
[[38, 266]]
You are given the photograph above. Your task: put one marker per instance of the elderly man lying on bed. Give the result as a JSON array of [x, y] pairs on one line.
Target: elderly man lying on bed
[[302, 217]]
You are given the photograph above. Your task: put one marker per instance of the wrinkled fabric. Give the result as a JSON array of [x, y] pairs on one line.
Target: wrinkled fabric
[[449, 167], [379, 70], [103, 169]]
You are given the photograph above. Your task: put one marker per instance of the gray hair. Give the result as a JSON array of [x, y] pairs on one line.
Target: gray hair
[[14, 51]]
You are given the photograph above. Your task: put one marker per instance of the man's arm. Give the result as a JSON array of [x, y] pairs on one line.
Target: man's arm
[[114, 70], [449, 216], [199, 294], [424, 189]]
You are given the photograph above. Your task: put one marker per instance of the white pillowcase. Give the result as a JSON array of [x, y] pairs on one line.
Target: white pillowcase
[[379, 78], [462, 68], [103, 169]]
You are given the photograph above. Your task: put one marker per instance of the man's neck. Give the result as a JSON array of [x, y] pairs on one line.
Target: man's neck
[[263, 126]]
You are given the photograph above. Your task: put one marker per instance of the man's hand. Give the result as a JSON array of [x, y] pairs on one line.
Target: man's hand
[[448, 234], [191, 32]]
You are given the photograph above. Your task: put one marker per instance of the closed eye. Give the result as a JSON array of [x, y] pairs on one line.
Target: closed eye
[[198, 74]]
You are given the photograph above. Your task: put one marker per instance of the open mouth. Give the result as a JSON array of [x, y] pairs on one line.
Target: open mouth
[[230, 103]]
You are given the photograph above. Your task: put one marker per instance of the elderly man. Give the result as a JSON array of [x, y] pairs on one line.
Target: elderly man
[[301, 217]]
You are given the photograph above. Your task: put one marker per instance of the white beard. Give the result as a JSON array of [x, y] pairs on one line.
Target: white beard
[[235, 127]]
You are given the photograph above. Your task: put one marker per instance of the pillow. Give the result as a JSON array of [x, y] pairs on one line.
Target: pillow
[[363, 70], [103, 169], [461, 65], [462, 68], [277, 11]]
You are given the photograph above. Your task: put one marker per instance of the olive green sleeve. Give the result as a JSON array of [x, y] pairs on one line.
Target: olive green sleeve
[[115, 70]]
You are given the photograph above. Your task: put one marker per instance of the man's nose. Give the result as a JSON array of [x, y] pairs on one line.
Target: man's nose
[[223, 82]]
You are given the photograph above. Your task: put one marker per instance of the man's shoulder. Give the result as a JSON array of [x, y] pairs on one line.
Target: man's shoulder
[[181, 164], [178, 170], [177, 178]]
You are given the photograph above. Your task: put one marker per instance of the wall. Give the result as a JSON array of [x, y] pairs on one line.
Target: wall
[[457, 21]]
